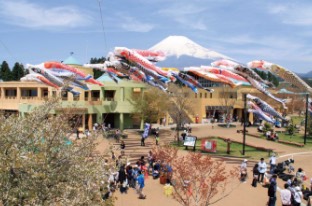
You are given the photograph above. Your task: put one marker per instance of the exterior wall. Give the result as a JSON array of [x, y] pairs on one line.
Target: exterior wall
[[204, 98], [97, 106], [118, 105]]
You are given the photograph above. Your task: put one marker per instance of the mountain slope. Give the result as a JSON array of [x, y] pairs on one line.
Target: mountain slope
[[180, 45]]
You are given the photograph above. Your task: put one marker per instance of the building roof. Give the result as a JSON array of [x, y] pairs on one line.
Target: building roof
[[71, 61], [106, 78]]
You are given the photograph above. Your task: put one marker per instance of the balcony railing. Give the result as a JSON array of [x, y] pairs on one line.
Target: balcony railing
[[109, 99], [10, 97]]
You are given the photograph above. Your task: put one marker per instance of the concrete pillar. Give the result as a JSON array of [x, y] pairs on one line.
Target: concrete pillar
[[121, 121], [122, 94], [84, 122], [18, 93], [90, 123], [39, 93], [251, 117], [70, 96], [102, 94], [2, 93], [142, 124], [99, 118], [89, 96]]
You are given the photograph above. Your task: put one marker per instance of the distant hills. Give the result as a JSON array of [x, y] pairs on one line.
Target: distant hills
[[305, 75]]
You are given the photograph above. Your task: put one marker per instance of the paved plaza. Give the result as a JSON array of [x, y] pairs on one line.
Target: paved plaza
[[243, 194]]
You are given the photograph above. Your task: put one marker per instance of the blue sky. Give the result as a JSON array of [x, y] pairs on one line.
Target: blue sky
[[34, 31]]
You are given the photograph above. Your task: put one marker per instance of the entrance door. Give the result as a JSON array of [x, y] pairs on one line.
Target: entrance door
[[109, 118]]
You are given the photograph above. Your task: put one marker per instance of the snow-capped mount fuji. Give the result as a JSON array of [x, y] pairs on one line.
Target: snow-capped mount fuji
[[183, 52]]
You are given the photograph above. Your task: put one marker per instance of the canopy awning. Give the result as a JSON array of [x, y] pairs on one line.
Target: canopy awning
[[218, 107]]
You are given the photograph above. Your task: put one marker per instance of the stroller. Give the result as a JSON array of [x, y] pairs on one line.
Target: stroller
[[282, 167]]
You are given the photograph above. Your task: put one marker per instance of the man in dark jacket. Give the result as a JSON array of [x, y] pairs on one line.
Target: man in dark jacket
[[272, 190]]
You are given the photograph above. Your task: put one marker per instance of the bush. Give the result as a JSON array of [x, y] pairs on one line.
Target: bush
[[267, 127], [225, 125]]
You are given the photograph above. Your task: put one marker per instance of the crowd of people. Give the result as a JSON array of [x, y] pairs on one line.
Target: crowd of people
[[127, 176], [294, 190]]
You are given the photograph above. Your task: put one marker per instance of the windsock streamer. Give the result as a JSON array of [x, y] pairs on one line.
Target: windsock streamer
[[259, 113], [281, 72], [265, 107]]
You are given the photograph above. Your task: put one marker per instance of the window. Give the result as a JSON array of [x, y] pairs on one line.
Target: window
[[10, 92], [95, 95], [26, 93], [205, 95], [77, 97], [136, 89], [109, 95], [45, 92], [200, 95], [86, 96], [195, 95], [64, 95], [210, 95]]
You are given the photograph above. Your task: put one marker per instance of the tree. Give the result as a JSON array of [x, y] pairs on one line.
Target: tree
[[181, 106], [275, 81], [97, 73], [150, 105], [227, 99], [270, 76], [40, 166], [18, 71], [197, 179], [5, 72]]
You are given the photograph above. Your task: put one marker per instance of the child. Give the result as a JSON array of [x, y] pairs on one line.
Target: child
[[157, 136]]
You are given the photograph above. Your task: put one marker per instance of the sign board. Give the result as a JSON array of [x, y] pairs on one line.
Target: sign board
[[209, 145], [190, 141]]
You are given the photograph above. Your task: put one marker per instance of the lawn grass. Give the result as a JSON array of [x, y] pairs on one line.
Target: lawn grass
[[236, 150], [296, 138], [297, 120]]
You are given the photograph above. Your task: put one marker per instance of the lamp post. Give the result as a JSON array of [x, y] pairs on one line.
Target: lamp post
[[306, 119], [245, 119]]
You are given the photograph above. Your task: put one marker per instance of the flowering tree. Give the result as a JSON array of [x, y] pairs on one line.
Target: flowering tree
[[198, 180], [40, 166]]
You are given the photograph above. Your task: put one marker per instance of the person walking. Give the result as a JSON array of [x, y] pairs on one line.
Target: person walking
[[122, 145], [141, 185], [297, 196], [272, 191], [150, 158], [77, 133], [255, 175], [262, 167], [243, 170], [117, 135], [272, 163], [286, 195], [157, 136], [142, 141]]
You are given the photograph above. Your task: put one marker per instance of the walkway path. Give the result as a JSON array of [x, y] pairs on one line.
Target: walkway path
[[244, 195]]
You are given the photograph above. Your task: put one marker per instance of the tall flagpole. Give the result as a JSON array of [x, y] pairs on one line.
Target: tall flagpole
[[245, 120], [306, 119]]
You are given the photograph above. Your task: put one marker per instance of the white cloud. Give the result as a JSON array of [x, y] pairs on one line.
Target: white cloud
[[294, 14], [31, 15], [188, 15], [132, 24]]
